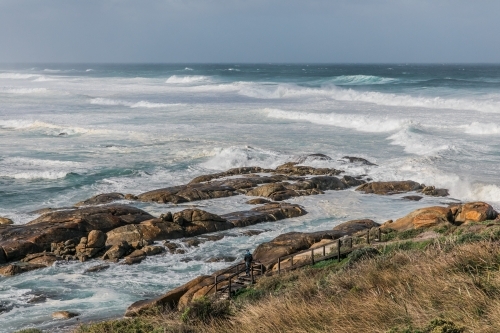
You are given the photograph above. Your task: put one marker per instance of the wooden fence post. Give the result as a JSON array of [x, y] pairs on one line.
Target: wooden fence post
[[279, 265], [312, 256], [368, 236], [338, 250], [350, 242], [251, 272], [229, 289], [379, 235], [216, 283], [324, 250]]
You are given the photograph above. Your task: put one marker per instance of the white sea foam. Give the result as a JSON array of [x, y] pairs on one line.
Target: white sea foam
[[362, 80], [357, 122], [89, 70], [188, 69], [417, 143], [31, 168], [43, 79], [476, 128], [51, 70], [233, 157], [25, 90], [17, 76], [140, 104], [176, 79], [51, 129]]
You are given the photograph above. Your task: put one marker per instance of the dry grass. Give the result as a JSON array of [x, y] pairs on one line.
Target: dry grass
[[401, 290]]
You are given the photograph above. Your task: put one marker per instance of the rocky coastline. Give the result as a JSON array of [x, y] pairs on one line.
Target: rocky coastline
[[108, 228]]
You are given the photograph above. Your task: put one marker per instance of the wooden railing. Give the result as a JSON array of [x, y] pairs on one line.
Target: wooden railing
[[236, 270]]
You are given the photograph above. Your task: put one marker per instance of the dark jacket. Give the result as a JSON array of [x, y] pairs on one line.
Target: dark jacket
[[248, 257]]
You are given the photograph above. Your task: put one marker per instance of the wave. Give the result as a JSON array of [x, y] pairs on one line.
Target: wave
[[476, 128], [43, 79], [233, 157], [49, 129], [357, 122], [89, 70], [362, 80], [32, 168], [281, 91], [25, 90], [17, 76], [140, 104], [176, 79], [414, 141], [51, 70], [188, 69]]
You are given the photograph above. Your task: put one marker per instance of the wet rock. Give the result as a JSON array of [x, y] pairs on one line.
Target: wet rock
[[212, 238], [96, 238], [153, 250], [422, 218], [19, 268], [292, 169], [257, 201], [181, 251], [130, 197], [167, 217], [171, 246], [388, 188], [221, 259], [150, 230], [434, 192], [97, 268], [231, 172], [474, 212], [192, 242], [5, 221], [117, 251], [187, 193], [413, 197], [140, 244], [133, 260], [359, 160], [266, 213], [37, 299], [45, 258], [252, 232], [101, 199], [313, 157], [64, 315], [17, 241]]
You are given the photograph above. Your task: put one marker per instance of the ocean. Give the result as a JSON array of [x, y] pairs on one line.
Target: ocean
[[71, 131]]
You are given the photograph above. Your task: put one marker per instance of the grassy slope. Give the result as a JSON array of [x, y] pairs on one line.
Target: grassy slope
[[448, 285]]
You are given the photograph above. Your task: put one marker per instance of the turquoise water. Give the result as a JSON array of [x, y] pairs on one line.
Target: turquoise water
[[68, 132]]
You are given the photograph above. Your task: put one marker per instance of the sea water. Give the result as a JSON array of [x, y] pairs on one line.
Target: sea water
[[68, 132]]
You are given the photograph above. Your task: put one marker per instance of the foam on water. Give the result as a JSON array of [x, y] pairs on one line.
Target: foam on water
[[24, 90], [362, 80], [140, 104], [357, 122], [17, 76], [176, 79], [476, 128], [30, 168]]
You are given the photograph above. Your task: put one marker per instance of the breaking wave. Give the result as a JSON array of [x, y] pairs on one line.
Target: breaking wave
[[25, 90], [140, 104], [357, 122], [362, 80], [31, 168], [176, 79], [476, 128], [17, 76]]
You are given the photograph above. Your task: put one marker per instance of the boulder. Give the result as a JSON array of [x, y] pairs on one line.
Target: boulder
[[434, 192], [101, 199], [422, 218], [190, 192], [147, 231], [265, 213], [5, 221], [117, 251], [64, 315], [97, 268], [359, 160], [96, 238], [475, 212], [388, 188], [313, 157], [45, 258], [292, 169], [413, 197], [354, 226], [230, 172], [19, 268], [168, 300], [257, 201]]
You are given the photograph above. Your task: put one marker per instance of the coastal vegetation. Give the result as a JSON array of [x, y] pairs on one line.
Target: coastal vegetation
[[443, 279]]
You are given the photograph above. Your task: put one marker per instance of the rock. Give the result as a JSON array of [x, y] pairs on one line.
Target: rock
[[257, 201], [313, 157], [221, 259], [45, 258], [64, 315], [422, 218], [97, 268], [388, 188], [413, 197], [167, 217], [435, 192], [292, 169], [96, 238], [117, 251], [153, 250], [101, 199], [19, 268], [292, 242], [190, 192], [359, 160], [37, 299], [17, 241], [147, 231], [192, 242], [171, 246], [5, 221], [168, 300], [231, 172], [252, 232], [212, 238], [133, 260], [354, 226], [267, 190], [475, 212], [130, 197], [266, 213]]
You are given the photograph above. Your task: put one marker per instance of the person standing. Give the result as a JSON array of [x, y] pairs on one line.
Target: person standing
[[248, 261]]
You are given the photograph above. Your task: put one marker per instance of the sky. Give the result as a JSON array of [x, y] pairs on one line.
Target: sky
[[276, 31]]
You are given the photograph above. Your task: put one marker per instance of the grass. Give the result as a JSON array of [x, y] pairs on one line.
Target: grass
[[446, 285]]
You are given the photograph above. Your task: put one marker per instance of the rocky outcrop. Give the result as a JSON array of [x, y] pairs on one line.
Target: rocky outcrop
[[101, 199], [422, 218], [64, 315], [388, 188], [354, 226], [18, 268], [473, 212], [5, 221], [358, 160], [293, 169], [168, 300], [266, 213], [228, 173], [434, 192], [313, 157], [257, 201], [436, 216], [17, 241]]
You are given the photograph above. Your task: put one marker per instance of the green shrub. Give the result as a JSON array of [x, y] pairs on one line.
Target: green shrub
[[359, 254], [412, 233], [469, 238]]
